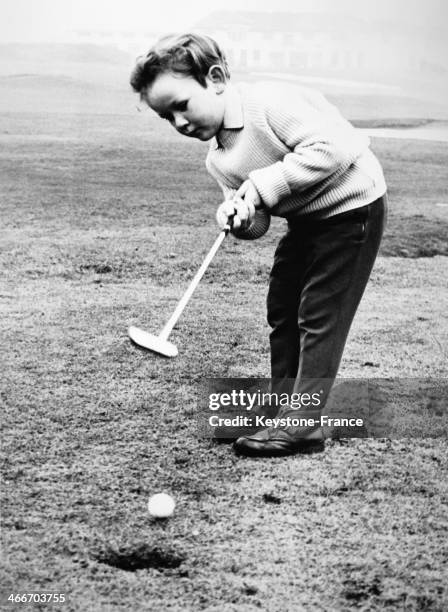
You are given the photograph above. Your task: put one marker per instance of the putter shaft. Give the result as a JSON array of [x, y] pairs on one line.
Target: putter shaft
[[192, 286]]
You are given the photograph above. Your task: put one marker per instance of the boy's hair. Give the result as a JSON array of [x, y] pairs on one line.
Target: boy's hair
[[185, 54]]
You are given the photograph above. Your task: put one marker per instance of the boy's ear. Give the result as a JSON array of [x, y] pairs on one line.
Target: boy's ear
[[217, 77]]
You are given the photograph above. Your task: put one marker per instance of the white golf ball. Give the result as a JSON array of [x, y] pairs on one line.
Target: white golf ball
[[161, 505]]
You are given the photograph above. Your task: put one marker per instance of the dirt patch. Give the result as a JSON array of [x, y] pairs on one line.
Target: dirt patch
[[141, 557], [393, 123]]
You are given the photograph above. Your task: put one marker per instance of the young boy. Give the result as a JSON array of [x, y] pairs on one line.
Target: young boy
[[295, 158]]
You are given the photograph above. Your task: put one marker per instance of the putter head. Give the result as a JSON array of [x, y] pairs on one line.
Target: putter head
[[152, 343]]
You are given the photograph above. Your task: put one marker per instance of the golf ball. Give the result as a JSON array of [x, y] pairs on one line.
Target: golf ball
[[161, 505]]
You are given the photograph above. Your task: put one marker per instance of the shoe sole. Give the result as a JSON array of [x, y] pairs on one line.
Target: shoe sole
[[311, 449]]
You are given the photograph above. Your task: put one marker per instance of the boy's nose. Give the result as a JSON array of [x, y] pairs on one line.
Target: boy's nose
[[179, 121]]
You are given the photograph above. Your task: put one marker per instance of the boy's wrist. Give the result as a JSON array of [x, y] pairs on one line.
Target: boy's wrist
[[256, 196]]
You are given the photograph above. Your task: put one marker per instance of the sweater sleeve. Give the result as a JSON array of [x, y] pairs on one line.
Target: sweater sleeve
[[321, 143]]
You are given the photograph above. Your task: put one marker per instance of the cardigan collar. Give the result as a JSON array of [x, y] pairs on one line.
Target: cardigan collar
[[233, 114]]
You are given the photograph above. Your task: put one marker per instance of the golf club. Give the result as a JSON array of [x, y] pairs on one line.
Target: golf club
[[160, 344]]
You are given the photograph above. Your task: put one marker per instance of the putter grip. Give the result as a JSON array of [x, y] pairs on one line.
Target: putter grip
[[228, 227]]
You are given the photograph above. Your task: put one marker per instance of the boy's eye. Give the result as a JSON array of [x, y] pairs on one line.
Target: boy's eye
[[179, 106]]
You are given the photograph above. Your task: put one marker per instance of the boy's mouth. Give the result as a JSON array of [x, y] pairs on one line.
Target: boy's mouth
[[200, 133], [189, 133], [196, 133]]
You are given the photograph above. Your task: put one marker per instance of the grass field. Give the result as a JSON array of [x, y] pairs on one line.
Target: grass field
[[106, 218]]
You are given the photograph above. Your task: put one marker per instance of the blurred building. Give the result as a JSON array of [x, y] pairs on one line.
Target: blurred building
[[324, 43], [134, 42], [319, 44]]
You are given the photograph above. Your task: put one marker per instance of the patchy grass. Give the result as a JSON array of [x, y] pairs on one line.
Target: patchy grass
[[105, 229]]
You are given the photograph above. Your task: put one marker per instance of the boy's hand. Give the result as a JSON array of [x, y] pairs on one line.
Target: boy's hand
[[244, 203], [244, 213], [248, 192]]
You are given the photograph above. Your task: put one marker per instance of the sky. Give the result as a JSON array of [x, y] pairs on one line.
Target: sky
[[55, 20]]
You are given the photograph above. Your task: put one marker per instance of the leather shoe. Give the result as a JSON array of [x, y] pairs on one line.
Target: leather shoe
[[230, 433], [273, 442]]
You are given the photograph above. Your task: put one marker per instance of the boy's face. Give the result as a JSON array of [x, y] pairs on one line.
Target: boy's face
[[193, 110]]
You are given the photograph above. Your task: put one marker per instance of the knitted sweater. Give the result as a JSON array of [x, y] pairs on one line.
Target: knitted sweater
[[301, 154]]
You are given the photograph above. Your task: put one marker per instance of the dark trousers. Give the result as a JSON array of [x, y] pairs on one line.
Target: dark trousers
[[320, 271]]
